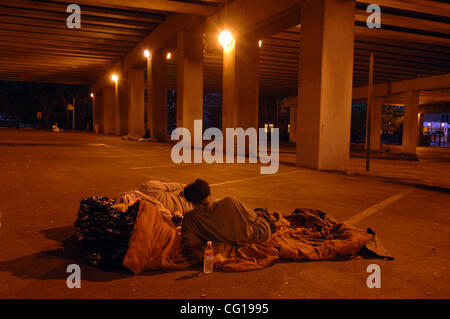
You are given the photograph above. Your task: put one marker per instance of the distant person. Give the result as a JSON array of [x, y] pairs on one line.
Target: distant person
[[227, 220], [55, 128], [39, 120]]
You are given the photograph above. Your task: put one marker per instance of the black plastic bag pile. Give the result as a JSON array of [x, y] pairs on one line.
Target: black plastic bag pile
[[104, 231]]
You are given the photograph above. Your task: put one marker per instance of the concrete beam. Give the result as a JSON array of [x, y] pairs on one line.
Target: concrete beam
[[435, 108], [420, 84]]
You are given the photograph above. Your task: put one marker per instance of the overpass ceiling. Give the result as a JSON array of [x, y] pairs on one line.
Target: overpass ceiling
[[36, 45], [414, 41]]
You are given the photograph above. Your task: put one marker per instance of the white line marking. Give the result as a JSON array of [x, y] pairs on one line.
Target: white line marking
[[252, 178], [376, 208], [158, 166]]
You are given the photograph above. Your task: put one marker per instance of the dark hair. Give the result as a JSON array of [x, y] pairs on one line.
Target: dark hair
[[197, 191]]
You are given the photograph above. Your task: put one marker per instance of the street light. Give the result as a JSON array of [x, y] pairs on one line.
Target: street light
[[147, 53], [115, 78], [226, 39]]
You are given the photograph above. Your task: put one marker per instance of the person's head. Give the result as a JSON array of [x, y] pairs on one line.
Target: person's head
[[197, 192]]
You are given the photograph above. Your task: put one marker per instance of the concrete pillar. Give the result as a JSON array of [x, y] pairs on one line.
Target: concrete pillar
[[116, 109], [240, 87], [421, 122], [189, 79], [375, 123], [99, 110], [229, 88], [325, 84], [292, 117], [411, 122], [123, 106], [136, 107], [108, 100], [158, 98], [150, 125]]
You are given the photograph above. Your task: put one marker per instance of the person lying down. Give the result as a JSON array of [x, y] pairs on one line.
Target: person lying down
[[168, 196], [243, 239], [227, 220]]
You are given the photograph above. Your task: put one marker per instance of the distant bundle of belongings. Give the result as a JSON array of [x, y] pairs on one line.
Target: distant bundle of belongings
[[142, 231]]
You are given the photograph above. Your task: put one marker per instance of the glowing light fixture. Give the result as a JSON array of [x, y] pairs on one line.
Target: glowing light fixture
[[92, 95], [169, 55], [260, 43], [146, 53], [226, 39], [115, 78]]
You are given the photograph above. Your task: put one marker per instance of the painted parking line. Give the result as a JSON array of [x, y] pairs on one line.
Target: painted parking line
[[253, 178], [135, 155], [159, 166], [376, 208]]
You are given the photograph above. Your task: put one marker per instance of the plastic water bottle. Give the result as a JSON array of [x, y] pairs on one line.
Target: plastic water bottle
[[208, 258]]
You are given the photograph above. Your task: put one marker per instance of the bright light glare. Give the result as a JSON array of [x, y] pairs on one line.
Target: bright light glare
[[92, 94], [260, 43], [147, 53], [169, 56], [115, 78], [226, 39]]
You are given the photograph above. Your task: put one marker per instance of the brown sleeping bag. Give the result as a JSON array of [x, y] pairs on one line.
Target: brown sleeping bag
[[306, 234]]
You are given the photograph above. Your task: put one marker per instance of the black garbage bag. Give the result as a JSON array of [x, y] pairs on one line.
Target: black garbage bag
[[104, 231]]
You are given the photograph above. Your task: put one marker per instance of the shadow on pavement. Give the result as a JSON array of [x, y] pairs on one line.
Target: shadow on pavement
[[52, 264]]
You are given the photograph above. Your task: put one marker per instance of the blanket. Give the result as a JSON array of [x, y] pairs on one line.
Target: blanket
[[306, 234]]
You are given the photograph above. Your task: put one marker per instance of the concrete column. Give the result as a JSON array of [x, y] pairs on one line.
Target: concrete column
[[189, 79], [375, 124], [150, 100], [292, 117], [325, 84], [229, 88], [123, 106], [158, 101], [411, 122], [116, 109], [99, 110], [240, 88], [136, 107], [421, 122], [108, 100]]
